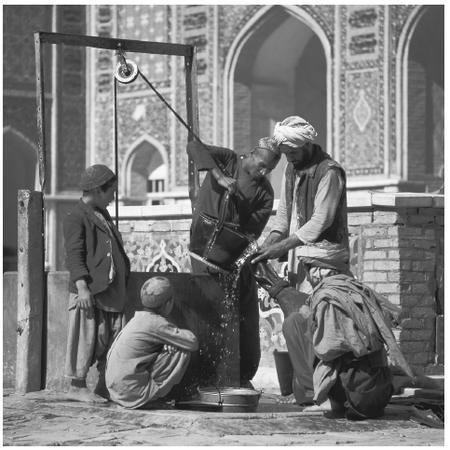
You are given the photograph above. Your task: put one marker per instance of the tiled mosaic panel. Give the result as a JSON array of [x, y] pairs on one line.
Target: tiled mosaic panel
[[363, 146]]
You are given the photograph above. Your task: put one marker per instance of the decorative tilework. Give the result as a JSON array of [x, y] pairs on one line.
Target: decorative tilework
[[19, 23], [71, 100], [363, 153]]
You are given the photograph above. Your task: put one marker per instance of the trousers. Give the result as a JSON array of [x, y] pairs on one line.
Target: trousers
[[88, 339]]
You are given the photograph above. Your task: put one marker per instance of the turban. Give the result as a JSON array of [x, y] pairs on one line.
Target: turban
[[294, 131], [155, 292]]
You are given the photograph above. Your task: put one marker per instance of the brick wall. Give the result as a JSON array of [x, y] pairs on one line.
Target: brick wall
[[396, 243], [402, 258]]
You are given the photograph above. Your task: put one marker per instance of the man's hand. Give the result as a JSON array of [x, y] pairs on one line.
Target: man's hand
[[85, 298], [170, 349], [226, 182], [274, 236], [277, 249]]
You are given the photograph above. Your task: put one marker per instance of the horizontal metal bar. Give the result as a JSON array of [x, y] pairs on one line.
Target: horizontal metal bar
[[159, 48]]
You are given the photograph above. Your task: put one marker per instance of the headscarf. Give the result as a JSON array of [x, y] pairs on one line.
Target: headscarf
[[294, 131]]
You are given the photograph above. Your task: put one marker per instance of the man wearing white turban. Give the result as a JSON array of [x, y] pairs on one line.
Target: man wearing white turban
[[311, 227]]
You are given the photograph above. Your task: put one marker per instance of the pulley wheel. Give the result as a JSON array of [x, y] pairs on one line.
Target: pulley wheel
[[126, 74]]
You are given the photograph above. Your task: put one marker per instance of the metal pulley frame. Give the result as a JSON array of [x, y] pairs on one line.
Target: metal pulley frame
[[125, 72]]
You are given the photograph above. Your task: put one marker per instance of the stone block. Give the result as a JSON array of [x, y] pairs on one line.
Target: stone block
[[420, 220], [416, 346], [423, 312], [387, 265], [387, 217], [420, 288], [379, 232], [439, 201], [405, 265], [439, 220], [385, 288], [163, 226], [359, 218], [430, 211], [374, 276], [371, 254], [141, 226], [410, 323], [416, 335], [181, 225], [424, 266], [394, 276], [401, 199], [421, 358], [368, 265], [383, 243]]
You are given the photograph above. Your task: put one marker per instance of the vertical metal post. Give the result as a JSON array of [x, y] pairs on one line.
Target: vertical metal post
[[116, 151], [190, 64]]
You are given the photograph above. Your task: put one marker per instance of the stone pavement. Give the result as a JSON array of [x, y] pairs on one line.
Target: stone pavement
[[45, 418]]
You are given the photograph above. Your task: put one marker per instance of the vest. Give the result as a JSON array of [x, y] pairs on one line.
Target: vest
[[310, 177]]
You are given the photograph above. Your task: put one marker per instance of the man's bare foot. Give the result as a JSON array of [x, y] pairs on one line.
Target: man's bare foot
[[83, 394], [323, 407], [291, 400]]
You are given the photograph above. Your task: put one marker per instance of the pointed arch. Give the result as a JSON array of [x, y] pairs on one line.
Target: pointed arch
[[408, 165], [144, 143], [402, 87], [256, 21]]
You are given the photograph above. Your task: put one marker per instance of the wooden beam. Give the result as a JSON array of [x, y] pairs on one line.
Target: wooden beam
[[129, 45], [40, 111], [30, 291], [190, 63]]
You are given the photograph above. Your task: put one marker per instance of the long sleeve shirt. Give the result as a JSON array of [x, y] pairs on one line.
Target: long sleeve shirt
[[326, 201], [251, 206]]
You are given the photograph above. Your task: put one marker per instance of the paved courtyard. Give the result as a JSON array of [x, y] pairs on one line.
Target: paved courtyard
[[45, 418]]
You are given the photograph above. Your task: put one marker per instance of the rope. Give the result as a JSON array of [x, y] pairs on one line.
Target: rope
[[189, 128]]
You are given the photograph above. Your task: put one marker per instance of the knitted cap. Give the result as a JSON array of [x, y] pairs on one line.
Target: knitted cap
[[95, 176], [155, 292]]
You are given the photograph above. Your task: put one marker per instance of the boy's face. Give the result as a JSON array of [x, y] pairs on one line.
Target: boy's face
[[103, 198]]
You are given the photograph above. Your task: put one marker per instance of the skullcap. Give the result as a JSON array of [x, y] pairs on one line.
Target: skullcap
[[95, 176], [155, 292]]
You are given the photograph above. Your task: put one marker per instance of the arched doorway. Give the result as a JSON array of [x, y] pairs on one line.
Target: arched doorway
[[281, 70], [425, 98], [19, 172], [145, 174]]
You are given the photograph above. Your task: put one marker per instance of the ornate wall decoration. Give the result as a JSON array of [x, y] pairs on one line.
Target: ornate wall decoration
[[19, 23], [324, 15], [362, 89], [163, 262], [362, 32], [363, 145], [71, 100]]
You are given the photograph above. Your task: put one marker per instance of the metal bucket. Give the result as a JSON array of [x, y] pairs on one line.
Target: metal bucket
[[227, 399]]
